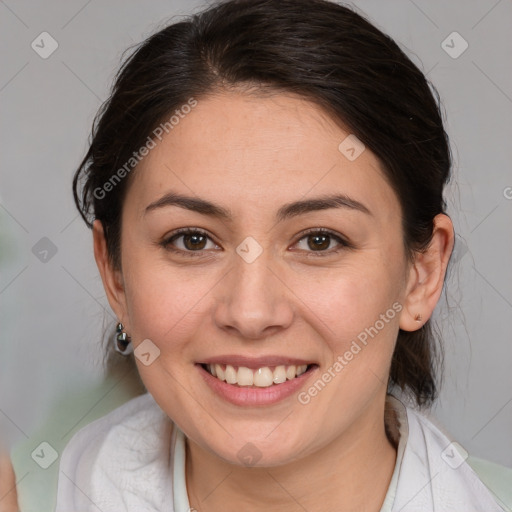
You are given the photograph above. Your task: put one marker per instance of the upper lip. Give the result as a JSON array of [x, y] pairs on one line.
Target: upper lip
[[256, 362]]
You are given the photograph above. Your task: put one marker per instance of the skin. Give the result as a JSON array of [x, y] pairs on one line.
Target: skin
[[8, 496], [252, 154]]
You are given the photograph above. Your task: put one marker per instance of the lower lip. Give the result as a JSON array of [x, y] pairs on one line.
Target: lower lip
[[247, 395]]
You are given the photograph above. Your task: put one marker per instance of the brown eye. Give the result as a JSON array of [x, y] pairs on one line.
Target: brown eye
[[187, 241], [322, 241], [318, 242], [195, 241]]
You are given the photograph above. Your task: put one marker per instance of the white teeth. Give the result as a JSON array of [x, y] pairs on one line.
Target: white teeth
[[245, 376], [301, 369], [220, 372], [291, 371], [279, 375], [262, 377], [230, 374]]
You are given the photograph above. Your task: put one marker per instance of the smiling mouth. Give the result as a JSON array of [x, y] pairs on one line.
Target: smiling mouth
[[263, 377]]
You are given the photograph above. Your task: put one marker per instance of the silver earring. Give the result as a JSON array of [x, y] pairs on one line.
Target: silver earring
[[122, 342]]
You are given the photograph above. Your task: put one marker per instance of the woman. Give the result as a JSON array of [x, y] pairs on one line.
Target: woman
[[265, 190]]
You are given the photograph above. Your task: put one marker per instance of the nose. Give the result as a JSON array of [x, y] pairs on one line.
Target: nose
[[253, 300]]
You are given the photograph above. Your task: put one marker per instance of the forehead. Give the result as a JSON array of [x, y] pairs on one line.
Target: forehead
[[258, 151]]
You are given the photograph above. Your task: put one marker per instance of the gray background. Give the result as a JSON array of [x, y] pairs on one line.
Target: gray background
[[53, 312]]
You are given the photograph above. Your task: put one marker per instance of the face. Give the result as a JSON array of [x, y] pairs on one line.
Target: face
[[263, 280]]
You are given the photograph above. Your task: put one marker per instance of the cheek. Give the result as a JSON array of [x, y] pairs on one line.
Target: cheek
[[165, 303], [350, 299], [362, 321], [358, 312]]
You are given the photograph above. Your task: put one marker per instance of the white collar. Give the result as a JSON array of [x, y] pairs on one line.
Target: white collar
[[133, 460], [397, 431], [425, 478]]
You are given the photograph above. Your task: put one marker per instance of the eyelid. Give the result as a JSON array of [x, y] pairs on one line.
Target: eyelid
[[166, 242], [342, 241]]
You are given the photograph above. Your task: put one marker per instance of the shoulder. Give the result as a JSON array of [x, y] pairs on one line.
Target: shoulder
[[453, 462], [129, 415], [100, 456], [497, 478]]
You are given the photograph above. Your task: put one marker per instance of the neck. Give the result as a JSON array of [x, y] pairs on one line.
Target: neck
[[351, 473]]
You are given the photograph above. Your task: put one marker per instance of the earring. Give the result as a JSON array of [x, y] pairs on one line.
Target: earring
[[122, 342], [418, 317]]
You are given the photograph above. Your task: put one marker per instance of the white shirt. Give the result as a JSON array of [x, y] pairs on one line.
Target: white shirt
[[133, 460]]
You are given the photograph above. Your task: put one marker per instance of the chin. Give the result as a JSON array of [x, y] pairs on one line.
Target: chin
[[256, 452]]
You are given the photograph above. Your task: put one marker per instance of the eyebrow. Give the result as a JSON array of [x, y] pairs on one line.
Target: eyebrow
[[287, 211]]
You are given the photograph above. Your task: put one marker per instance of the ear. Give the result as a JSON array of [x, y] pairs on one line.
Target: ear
[[112, 278], [426, 276]]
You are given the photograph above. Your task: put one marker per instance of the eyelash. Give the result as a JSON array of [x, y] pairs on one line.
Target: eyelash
[[166, 244]]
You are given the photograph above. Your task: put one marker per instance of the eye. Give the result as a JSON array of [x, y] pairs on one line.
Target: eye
[[318, 240], [191, 240]]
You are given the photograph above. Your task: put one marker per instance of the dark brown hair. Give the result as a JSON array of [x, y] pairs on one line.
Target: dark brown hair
[[322, 51]]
